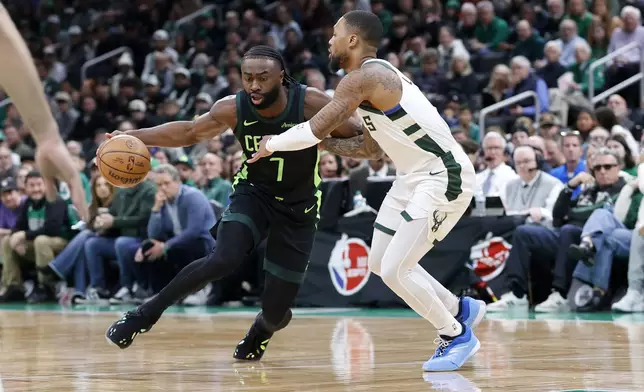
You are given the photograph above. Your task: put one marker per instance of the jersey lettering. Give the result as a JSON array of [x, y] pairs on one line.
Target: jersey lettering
[[252, 142]]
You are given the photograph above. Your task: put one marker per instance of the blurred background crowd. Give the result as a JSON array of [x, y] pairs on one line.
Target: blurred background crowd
[[123, 65]]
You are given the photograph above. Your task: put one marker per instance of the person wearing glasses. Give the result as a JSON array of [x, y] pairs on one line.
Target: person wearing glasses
[[493, 180], [605, 235], [538, 248]]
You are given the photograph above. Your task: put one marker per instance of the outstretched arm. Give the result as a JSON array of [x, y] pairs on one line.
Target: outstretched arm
[[361, 146], [363, 84], [222, 115]]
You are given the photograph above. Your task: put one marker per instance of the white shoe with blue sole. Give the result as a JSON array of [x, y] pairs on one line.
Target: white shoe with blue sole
[[450, 355], [470, 311]]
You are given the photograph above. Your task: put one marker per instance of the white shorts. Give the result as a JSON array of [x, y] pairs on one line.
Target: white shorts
[[423, 196]]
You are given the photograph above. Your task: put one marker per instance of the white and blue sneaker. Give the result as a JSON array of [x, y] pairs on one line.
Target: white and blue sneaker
[[451, 354], [470, 311]]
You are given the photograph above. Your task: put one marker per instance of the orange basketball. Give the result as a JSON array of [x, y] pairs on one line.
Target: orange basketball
[[124, 161]]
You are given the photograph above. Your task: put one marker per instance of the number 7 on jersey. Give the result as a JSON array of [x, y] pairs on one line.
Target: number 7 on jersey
[[280, 167]]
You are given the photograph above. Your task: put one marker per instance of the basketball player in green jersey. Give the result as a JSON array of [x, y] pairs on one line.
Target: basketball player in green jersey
[[276, 198], [19, 79]]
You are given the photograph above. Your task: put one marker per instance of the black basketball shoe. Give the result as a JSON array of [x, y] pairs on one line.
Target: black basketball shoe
[[123, 331], [253, 345]]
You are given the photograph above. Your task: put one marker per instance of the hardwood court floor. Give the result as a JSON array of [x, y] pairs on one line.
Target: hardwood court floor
[[46, 349]]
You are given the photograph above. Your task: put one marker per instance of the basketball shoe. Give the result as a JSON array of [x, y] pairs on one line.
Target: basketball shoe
[[128, 327], [470, 311], [452, 352], [253, 346]]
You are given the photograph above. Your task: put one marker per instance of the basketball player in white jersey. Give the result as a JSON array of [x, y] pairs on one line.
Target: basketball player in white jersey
[[19, 79], [434, 184]]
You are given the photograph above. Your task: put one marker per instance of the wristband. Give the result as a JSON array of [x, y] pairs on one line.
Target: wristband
[[296, 138]]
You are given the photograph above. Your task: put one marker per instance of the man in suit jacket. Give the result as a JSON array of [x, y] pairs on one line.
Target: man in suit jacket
[[376, 168], [178, 229]]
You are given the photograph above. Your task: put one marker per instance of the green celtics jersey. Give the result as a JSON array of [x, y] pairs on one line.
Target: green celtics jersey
[[291, 176]]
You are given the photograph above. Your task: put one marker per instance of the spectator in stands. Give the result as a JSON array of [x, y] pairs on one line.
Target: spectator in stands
[[529, 43], [585, 123], [577, 12], [179, 229], [57, 70], [449, 47], [568, 40], [539, 144], [549, 126], [493, 180], [186, 169], [467, 25], [633, 301], [581, 69], [625, 117], [7, 167], [65, 114], [374, 168], [126, 71], [627, 64], [10, 207], [40, 232], [555, 156], [524, 81], [598, 39], [161, 45], [13, 140], [471, 148], [498, 84], [520, 136], [571, 145], [183, 93], [556, 13], [532, 195], [607, 119], [550, 69], [120, 232], [535, 246], [430, 79], [605, 235], [70, 264], [460, 80], [618, 146], [465, 122], [215, 188], [490, 29], [330, 166], [89, 121]]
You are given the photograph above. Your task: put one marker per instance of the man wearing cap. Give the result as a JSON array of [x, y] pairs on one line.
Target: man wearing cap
[[203, 103], [549, 126], [57, 70], [152, 93], [66, 116], [138, 115], [186, 169], [39, 233], [183, 93], [126, 71], [11, 199], [161, 44]]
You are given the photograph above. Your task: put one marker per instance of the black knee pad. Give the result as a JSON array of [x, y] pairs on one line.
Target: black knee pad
[[272, 325]]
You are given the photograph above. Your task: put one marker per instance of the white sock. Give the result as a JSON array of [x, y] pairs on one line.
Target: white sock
[[451, 330]]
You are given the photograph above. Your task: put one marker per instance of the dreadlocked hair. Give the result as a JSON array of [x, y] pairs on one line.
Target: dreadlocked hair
[[271, 53]]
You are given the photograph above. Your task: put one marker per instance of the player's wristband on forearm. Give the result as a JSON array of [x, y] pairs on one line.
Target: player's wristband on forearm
[[298, 137]]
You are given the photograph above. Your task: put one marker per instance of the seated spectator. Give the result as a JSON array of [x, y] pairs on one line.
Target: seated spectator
[[550, 69], [471, 148], [524, 80], [461, 82], [581, 68], [466, 27], [568, 40], [605, 235], [330, 166], [374, 168], [179, 229], [465, 122], [70, 264], [598, 38], [120, 232], [490, 29], [556, 13], [449, 47], [549, 126], [533, 194], [607, 119], [618, 146], [625, 117], [555, 156], [571, 146], [186, 169], [216, 188], [40, 233], [430, 79], [529, 43], [535, 246], [495, 90], [585, 123], [520, 136], [493, 180], [539, 144], [10, 207], [628, 64], [578, 13], [7, 167]]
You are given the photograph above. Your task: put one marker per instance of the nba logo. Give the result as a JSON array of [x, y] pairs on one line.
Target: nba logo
[[348, 265]]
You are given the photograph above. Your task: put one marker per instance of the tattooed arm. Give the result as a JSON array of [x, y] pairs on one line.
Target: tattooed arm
[[373, 82], [361, 146]]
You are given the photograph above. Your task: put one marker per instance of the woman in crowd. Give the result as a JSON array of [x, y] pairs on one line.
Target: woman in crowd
[[617, 144], [70, 263], [330, 166]]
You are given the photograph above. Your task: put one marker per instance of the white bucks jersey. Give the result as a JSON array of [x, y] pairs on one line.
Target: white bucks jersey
[[415, 136]]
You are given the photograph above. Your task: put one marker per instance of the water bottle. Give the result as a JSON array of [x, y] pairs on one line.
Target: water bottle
[[358, 200], [479, 209]]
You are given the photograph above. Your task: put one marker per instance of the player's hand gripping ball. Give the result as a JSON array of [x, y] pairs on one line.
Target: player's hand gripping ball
[[124, 161]]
